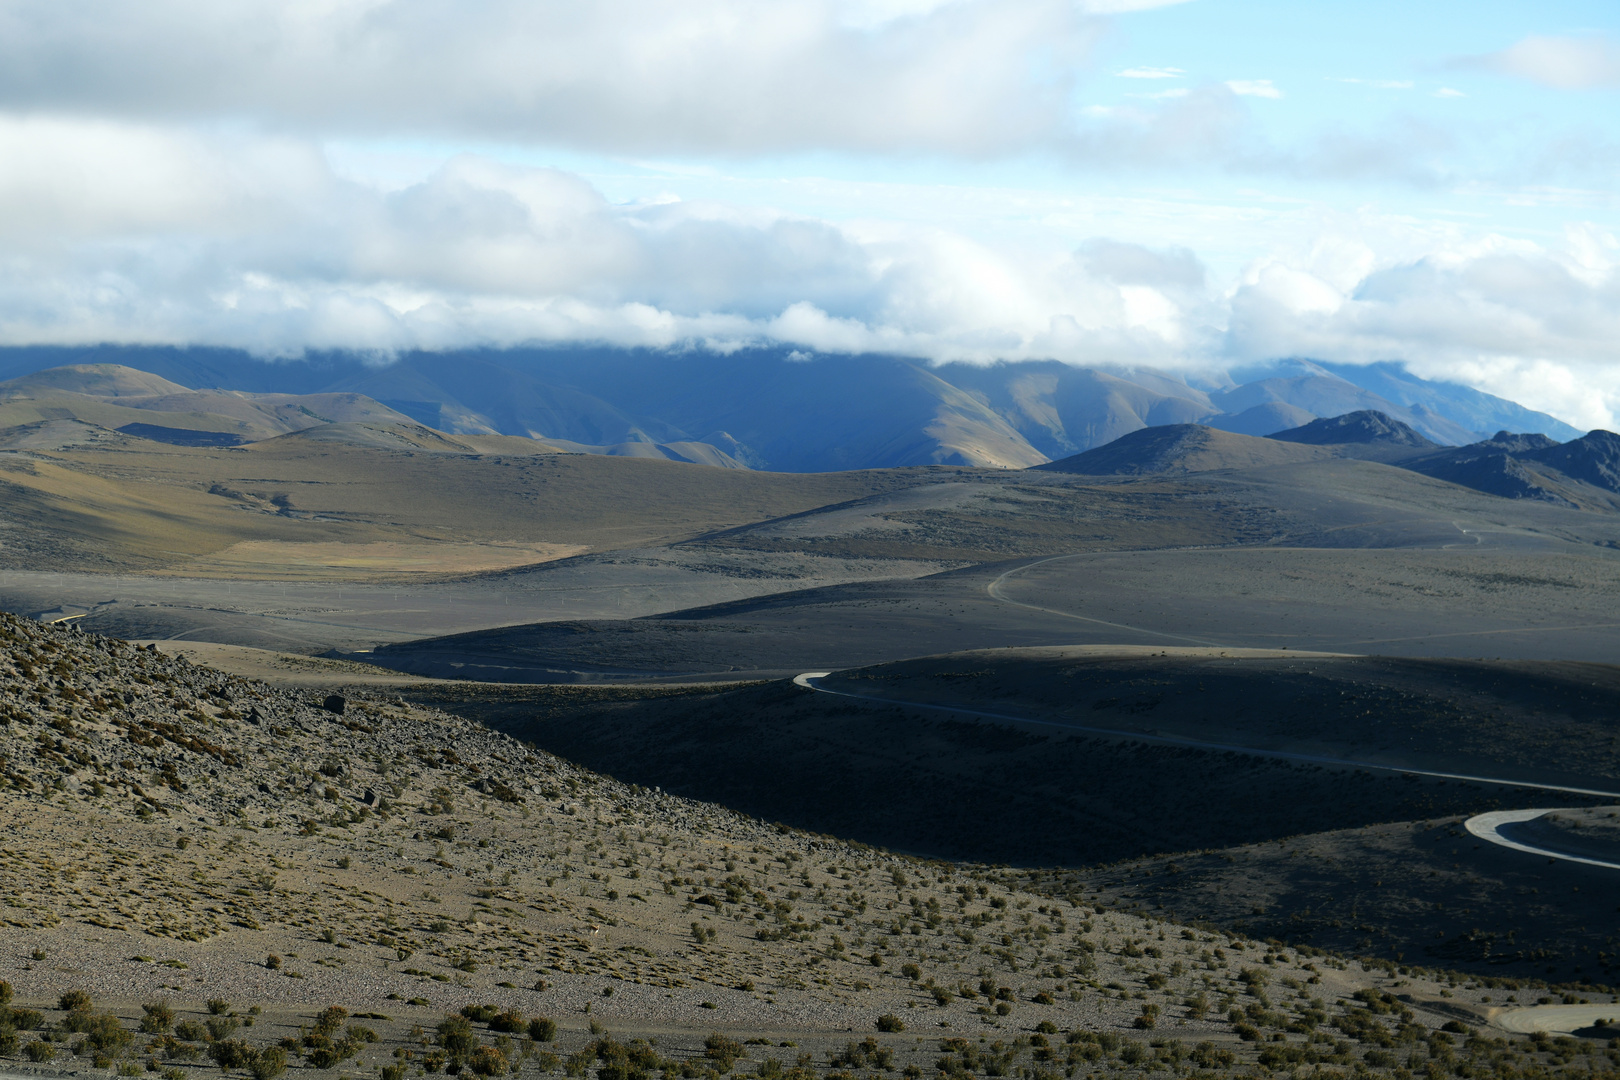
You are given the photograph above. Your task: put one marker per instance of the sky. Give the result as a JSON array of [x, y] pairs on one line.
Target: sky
[[1202, 186]]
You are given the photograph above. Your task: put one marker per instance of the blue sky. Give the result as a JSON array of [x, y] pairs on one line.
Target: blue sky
[[1193, 186]]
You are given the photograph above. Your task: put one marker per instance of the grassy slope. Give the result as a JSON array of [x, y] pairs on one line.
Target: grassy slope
[[151, 507]]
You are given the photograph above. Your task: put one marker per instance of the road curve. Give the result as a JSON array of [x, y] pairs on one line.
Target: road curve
[[1484, 826], [1563, 1019], [810, 680]]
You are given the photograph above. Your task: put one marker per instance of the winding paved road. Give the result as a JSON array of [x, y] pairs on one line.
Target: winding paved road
[[1484, 826]]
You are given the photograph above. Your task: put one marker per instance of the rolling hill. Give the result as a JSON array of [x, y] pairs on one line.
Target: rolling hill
[[1183, 448]]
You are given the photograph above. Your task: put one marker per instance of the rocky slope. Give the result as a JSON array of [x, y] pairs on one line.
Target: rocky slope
[[176, 835]]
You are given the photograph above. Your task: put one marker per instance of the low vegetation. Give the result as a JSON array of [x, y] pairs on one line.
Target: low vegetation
[[503, 912]]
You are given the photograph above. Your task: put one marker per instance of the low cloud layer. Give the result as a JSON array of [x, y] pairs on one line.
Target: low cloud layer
[[162, 235]]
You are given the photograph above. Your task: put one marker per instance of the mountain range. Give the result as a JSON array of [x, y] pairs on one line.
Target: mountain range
[[762, 409], [1582, 474]]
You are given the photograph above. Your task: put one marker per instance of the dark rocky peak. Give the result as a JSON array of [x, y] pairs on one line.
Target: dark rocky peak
[[1508, 442], [1594, 458], [1365, 426]]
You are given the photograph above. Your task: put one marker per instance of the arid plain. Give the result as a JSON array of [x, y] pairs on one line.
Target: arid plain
[[1155, 768]]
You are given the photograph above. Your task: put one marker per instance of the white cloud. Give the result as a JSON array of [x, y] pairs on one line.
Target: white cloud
[[625, 76], [1151, 73], [1448, 92], [1537, 324], [1565, 63], [1261, 88]]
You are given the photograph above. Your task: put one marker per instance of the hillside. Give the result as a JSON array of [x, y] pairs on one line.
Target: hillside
[[1180, 449], [123, 398], [179, 835], [1583, 473]]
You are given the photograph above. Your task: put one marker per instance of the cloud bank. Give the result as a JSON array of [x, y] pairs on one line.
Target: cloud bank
[[161, 235], [972, 77]]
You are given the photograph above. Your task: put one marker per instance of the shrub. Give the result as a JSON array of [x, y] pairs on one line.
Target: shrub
[[231, 1053], [5, 992], [74, 1001], [723, 1051], [481, 1014], [220, 1027], [8, 1039], [330, 1053], [159, 1016], [911, 971], [456, 1035], [543, 1029], [273, 962], [39, 1050], [24, 1019], [360, 1033], [218, 1006], [191, 1031], [173, 1073], [1207, 1055], [487, 1061], [510, 1020], [105, 1034], [77, 1021], [271, 1063], [890, 1022], [330, 1021], [393, 1072]]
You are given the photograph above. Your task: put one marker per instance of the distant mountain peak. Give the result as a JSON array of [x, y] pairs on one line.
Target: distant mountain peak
[[1363, 426], [1508, 442]]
